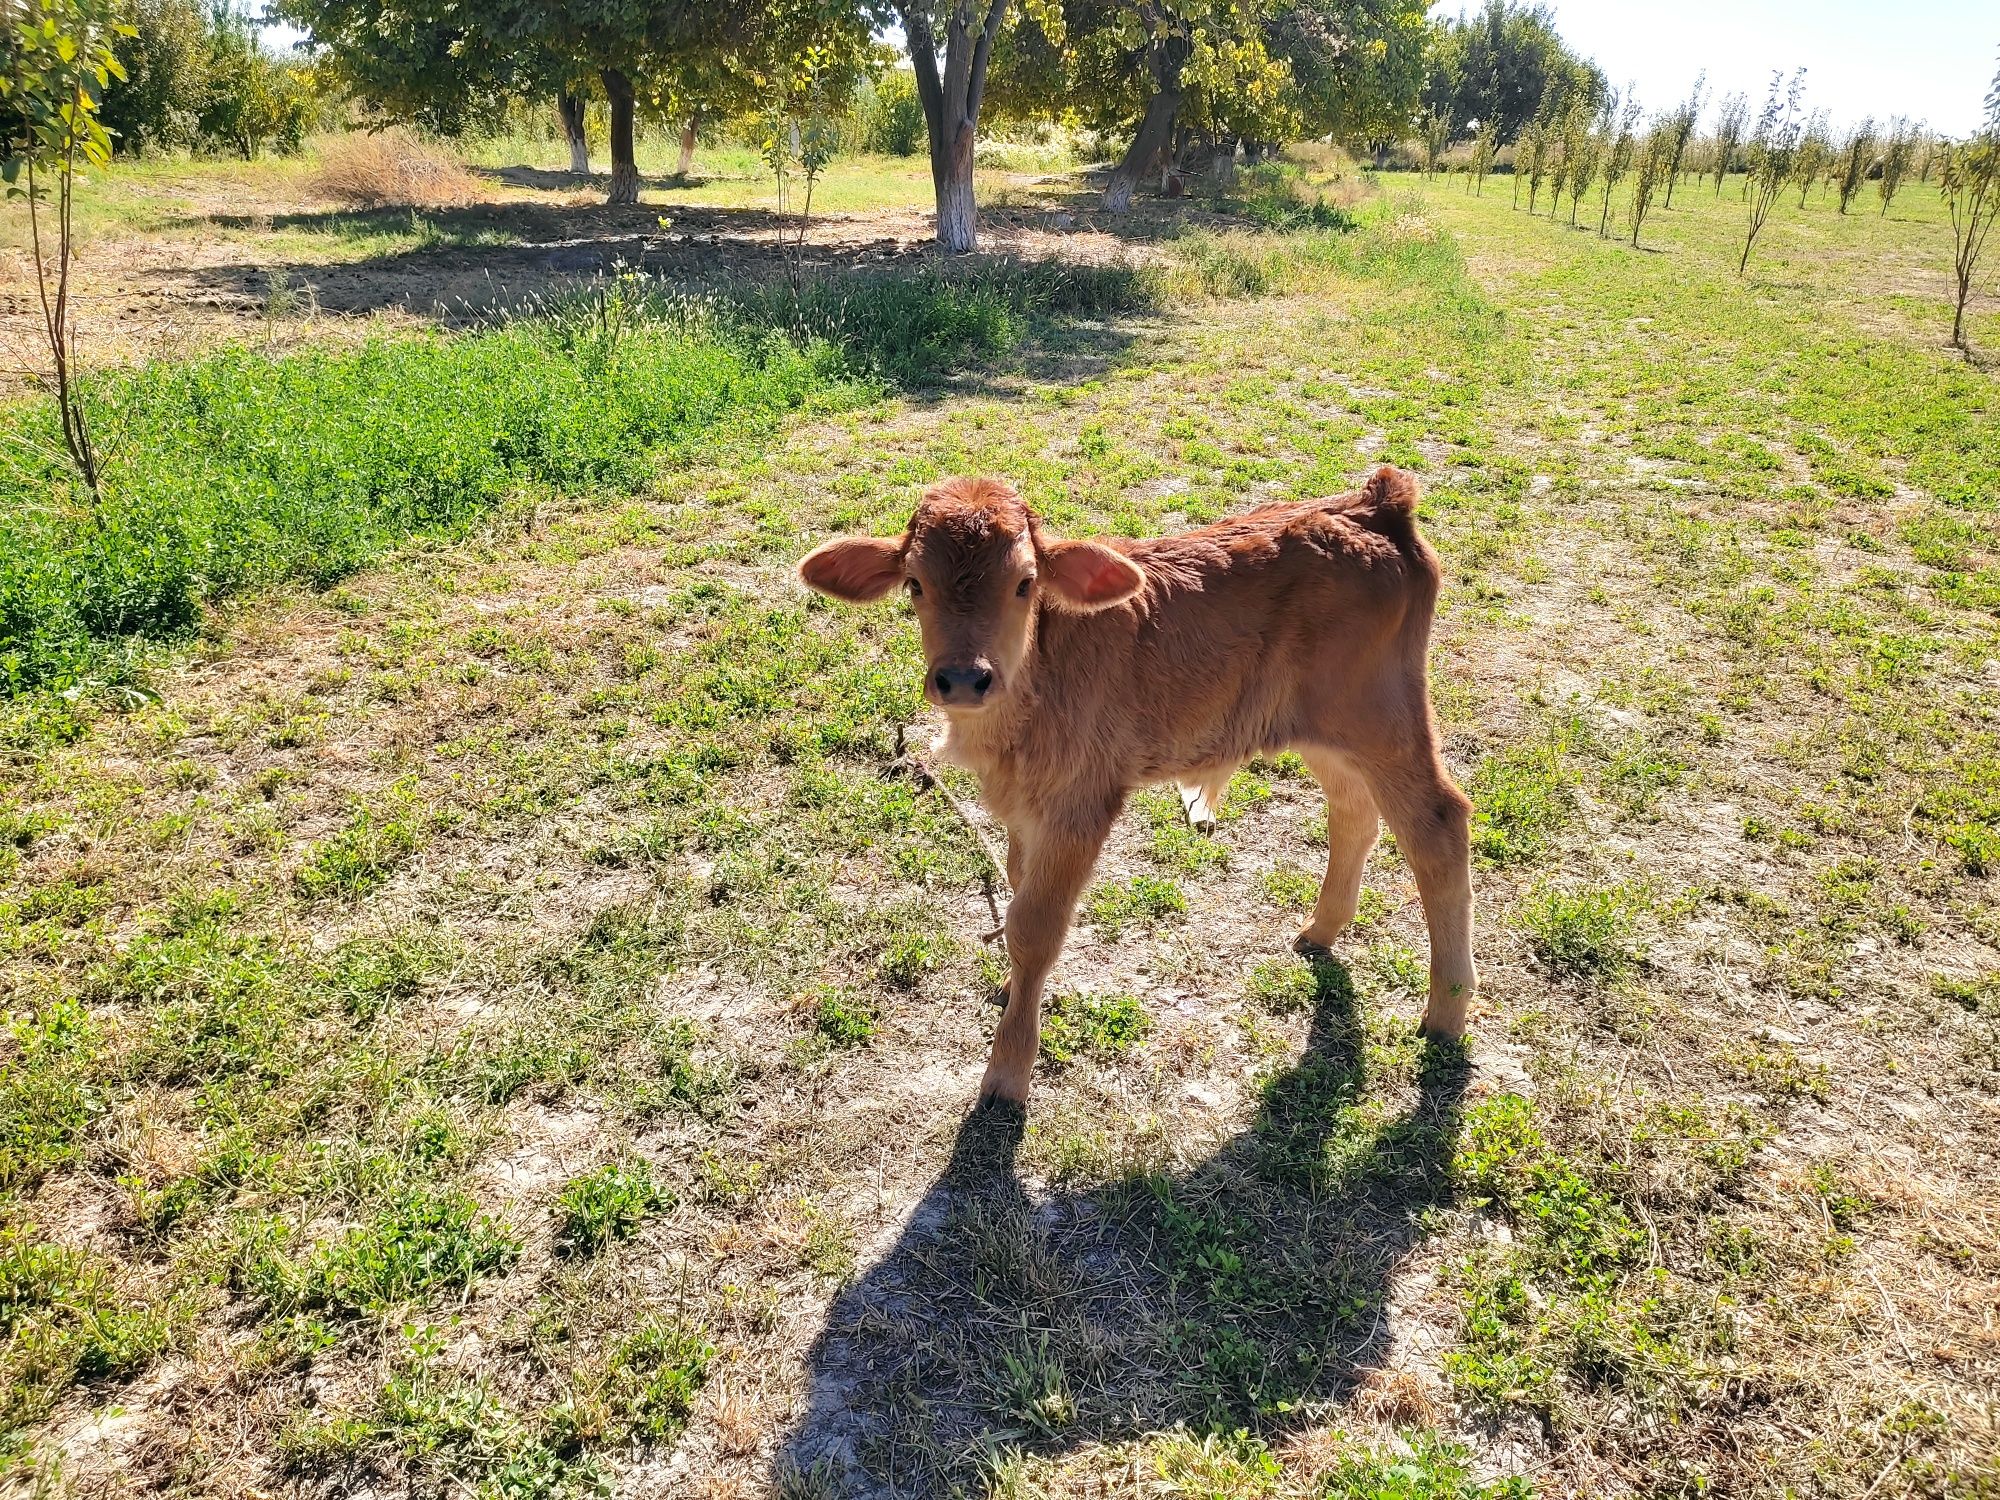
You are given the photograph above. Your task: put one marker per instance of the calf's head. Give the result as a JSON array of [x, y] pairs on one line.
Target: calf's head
[[978, 569]]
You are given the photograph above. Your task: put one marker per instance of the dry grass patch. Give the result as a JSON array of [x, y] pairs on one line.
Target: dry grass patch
[[394, 169]]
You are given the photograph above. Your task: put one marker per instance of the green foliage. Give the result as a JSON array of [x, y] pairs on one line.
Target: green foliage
[[1499, 64], [655, 1374], [1102, 1026], [1113, 905], [238, 469], [1522, 795], [607, 1204], [1275, 195], [1586, 932], [1969, 179], [61, 55], [1430, 1467], [361, 856], [166, 76], [422, 1242], [62, 1319], [1356, 69], [1292, 986], [892, 116], [844, 1021], [1774, 149], [250, 99]]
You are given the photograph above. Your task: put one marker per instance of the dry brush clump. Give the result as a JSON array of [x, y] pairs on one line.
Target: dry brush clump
[[393, 169]]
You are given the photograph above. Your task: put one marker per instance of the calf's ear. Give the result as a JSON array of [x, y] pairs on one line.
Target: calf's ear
[[858, 569], [1089, 576]]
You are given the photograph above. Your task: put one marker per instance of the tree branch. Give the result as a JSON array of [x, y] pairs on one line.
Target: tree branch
[[982, 54]]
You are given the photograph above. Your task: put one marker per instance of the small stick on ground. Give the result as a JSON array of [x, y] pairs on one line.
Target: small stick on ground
[[994, 875]]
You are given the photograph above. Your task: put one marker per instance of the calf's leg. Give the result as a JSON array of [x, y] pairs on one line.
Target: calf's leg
[[1431, 819], [1052, 871], [1352, 825]]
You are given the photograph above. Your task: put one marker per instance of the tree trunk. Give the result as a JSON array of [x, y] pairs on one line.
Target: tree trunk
[[1154, 129], [570, 107], [624, 162], [957, 209], [688, 133], [1222, 165], [951, 101]]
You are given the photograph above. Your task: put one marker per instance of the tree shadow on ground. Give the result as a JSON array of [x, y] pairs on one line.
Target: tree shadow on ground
[[1249, 1291], [473, 260], [974, 325]]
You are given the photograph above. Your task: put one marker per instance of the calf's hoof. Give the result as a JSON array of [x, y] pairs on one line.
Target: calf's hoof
[[1314, 940], [1003, 1089], [1444, 1020]]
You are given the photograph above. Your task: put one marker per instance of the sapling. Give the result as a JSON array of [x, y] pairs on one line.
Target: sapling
[[1774, 150], [1969, 178], [1899, 151], [1730, 122], [1857, 155], [1615, 158]]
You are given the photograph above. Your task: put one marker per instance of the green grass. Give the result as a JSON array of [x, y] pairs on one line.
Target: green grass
[[568, 832], [241, 470]]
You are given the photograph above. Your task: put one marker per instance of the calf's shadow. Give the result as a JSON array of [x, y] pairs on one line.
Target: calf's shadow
[[1249, 1291]]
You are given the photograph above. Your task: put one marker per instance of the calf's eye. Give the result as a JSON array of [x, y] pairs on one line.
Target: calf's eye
[[1026, 584], [916, 589]]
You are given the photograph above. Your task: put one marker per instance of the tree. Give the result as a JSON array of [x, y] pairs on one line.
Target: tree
[[1655, 161], [1434, 131], [60, 57], [443, 63], [252, 99], [1615, 153], [1899, 151], [1586, 125], [165, 60], [1857, 155], [1679, 127], [1485, 142], [1815, 153], [439, 64], [1357, 66], [1500, 64], [1731, 120], [1774, 149], [1969, 178], [570, 111], [951, 84], [1537, 143]]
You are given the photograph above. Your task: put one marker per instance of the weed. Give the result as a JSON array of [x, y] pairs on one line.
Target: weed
[[1587, 933], [421, 1243], [1113, 905], [844, 1020], [607, 1204], [1291, 986], [1100, 1026]]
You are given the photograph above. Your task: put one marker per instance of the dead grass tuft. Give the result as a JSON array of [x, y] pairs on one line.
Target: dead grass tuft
[[393, 169]]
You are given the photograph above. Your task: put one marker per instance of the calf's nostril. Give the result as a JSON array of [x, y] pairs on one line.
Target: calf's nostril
[[982, 682], [943, 680]]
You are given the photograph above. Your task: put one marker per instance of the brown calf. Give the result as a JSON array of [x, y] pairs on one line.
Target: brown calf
[[1072, 672]]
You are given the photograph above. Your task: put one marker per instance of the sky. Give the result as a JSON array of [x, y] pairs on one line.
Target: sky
[[1930, 59]]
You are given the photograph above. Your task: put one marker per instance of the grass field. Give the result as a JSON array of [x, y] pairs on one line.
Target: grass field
[[496, 1021]]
